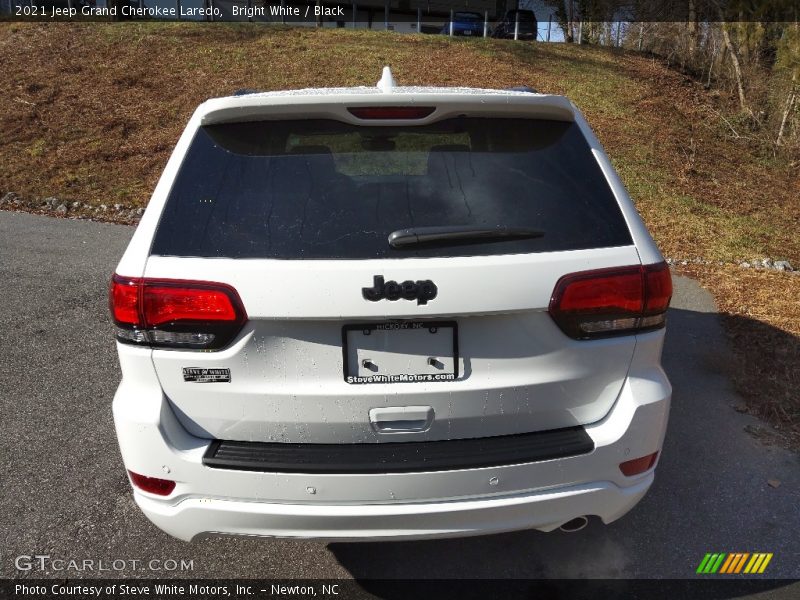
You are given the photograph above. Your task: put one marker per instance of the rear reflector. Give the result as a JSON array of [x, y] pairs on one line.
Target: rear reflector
[[638, 465], [613, 301], [391, 112], [175, 313], [153, 485]]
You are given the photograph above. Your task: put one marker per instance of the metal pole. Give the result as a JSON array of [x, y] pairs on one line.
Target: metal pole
[[580, 32], [210, 5], [141, 3], [419, 20], [283, 12], [250, 10], [178, 4], [386, 16], [451, 22], [319, 16], [486, 23], [355, 12], [516, 26], [549, 20]]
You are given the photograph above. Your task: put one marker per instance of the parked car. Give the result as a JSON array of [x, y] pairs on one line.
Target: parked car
[[465, 24], [421, 312], [528, 27]]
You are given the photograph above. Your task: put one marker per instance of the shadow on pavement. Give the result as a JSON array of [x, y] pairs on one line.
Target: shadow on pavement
[[710, 495]]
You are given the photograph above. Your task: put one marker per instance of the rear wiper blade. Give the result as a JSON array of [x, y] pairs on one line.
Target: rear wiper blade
[[417, 236]]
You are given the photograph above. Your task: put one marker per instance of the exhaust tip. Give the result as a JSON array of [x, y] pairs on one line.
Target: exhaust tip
[[575, 524]]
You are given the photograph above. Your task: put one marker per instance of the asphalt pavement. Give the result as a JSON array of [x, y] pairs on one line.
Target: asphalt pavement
[[64, 493]]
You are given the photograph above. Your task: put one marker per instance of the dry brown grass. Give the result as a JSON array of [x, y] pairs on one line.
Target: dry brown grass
[[90, 112], [761, 311]]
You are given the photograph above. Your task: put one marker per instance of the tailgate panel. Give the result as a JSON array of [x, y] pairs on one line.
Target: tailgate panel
[[515, 371]]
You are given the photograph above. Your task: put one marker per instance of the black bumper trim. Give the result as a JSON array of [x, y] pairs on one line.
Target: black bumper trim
[[398, 457]]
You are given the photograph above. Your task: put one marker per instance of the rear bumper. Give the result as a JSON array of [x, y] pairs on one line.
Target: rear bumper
[[544, 510], [467, 501]]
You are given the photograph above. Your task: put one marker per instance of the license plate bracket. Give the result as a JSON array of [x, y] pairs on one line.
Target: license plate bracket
[[400, 352]]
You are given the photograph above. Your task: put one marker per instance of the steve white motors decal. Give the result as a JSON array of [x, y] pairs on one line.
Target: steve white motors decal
[[402, 378], [198, 375]]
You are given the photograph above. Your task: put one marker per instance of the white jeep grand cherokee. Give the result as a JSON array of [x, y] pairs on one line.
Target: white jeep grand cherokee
[[389, 312]]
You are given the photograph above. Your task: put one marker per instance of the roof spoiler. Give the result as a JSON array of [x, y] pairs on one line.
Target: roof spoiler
[[523, 88]]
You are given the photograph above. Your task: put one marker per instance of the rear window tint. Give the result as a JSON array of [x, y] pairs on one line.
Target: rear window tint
[[321, 189]]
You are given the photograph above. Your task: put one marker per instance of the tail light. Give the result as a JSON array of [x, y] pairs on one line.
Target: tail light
[[175, 313], [153, 485], [638, 465], [391, 112], [615, 301]]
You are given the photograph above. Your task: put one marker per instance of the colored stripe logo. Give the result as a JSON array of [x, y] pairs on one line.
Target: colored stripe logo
[[734, 563]]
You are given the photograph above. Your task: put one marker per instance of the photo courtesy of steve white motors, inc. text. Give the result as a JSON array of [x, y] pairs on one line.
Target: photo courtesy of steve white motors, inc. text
[[174, 12], [162, 590]]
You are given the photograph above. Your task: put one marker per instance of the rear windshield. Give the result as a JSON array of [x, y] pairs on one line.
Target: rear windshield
[[321, 189]]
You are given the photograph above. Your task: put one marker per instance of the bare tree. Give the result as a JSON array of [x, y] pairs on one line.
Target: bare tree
[[737, 69], [786, 111]]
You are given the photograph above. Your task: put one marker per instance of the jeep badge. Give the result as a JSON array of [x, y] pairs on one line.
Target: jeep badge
[[421, 290]]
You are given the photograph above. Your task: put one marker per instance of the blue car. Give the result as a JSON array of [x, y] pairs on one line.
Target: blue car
[[465, 23]]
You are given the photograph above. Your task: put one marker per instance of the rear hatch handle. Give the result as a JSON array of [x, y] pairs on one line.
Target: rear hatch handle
[[401, 419]]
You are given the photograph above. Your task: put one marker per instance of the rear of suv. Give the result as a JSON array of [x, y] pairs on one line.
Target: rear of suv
[[389, 312], [517, 24]]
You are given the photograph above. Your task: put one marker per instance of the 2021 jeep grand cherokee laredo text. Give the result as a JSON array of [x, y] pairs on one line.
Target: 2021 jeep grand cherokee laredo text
[[389, 312]]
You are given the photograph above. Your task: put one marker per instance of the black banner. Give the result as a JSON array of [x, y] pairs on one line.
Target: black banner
[[428, 16], [484, 589]]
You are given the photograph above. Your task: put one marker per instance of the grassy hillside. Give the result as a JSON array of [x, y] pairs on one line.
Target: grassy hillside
[[91, 112]]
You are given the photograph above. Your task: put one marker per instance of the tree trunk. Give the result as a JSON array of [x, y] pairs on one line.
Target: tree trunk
[[737, 69], [711, 65], [570, 21], [789, 103], [692, 27]]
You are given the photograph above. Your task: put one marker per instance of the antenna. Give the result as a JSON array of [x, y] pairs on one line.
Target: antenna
[[387, 83]]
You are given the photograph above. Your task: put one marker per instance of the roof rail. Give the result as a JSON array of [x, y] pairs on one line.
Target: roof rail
[[245, 92]]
